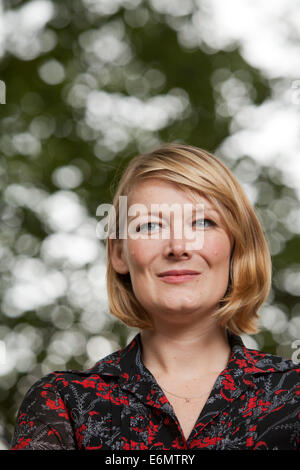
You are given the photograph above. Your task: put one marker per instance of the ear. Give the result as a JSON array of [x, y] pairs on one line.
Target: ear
[[117, 257]]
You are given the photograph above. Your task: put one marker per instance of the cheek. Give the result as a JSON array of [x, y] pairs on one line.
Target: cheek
[[139, 253], [218, 249]]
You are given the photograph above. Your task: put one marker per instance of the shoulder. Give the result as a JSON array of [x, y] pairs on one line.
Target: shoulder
[[272, 368], [268, 361], [108, 368], [59, 381]]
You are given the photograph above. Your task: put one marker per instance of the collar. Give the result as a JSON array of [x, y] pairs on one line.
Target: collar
[[245, 373], [127, 362]]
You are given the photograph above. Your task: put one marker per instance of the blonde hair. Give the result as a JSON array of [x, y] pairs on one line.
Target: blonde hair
[[196, 170]]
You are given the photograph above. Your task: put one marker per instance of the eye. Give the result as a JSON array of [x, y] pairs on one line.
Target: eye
[[211, 222], [146, 226]]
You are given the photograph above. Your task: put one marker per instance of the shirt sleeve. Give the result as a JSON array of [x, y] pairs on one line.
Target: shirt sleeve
[[43, 421]]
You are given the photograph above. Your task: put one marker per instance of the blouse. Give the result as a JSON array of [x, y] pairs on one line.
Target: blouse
[[118, 405]]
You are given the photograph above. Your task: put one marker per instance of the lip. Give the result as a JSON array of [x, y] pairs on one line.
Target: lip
[[178, 276], [178, 272]]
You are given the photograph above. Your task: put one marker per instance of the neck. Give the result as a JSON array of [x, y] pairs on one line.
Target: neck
[[185, 352]]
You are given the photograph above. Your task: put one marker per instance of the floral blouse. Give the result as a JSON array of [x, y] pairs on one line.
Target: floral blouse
[[118, 405]]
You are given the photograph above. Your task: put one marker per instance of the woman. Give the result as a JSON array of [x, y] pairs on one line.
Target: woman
[[185, 381]]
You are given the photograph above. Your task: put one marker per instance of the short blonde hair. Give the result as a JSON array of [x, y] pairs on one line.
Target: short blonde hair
[[196, 170]]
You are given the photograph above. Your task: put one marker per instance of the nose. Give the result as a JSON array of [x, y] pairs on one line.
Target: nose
[[177, 247], [181, 242]]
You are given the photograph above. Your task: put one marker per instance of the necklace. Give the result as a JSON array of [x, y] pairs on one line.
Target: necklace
[[187, 399]]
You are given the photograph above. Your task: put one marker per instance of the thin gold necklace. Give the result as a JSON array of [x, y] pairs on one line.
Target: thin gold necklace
[[187, 399]]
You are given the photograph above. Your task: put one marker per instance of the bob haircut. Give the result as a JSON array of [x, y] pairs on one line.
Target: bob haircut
[[196, 171]]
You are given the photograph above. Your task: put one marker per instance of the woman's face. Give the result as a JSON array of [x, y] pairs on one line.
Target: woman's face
[[180, 297]]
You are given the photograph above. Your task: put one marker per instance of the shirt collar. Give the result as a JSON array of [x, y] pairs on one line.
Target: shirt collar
[[127, 362], [241, 376]]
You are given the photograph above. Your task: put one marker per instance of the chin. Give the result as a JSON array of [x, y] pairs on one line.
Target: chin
[[181, 309]]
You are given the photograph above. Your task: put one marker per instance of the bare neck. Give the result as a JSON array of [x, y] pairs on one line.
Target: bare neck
[[186, 352]]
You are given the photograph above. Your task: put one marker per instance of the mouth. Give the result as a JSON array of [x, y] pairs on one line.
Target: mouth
[[178, 276]]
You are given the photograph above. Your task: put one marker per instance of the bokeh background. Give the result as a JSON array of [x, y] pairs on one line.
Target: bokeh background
[[91, 83]]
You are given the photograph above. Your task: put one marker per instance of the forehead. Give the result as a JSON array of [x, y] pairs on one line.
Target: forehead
[[155, 191]]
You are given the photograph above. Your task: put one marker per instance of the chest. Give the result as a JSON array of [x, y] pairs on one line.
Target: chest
[[187, 412], [140, 416]]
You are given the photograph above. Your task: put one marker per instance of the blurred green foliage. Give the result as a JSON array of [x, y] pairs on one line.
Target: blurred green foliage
[[76, 84]]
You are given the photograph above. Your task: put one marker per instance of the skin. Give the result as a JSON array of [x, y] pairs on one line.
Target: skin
[[186, 338]]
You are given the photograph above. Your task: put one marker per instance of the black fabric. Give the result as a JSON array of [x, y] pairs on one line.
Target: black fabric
[[118, 405]]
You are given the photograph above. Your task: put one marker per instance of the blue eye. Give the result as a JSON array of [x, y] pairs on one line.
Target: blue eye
[[140, 227], [150, 226], [204, 220]]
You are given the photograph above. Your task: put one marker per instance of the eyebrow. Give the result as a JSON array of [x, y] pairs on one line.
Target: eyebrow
[[158, 214], [210, 209]]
